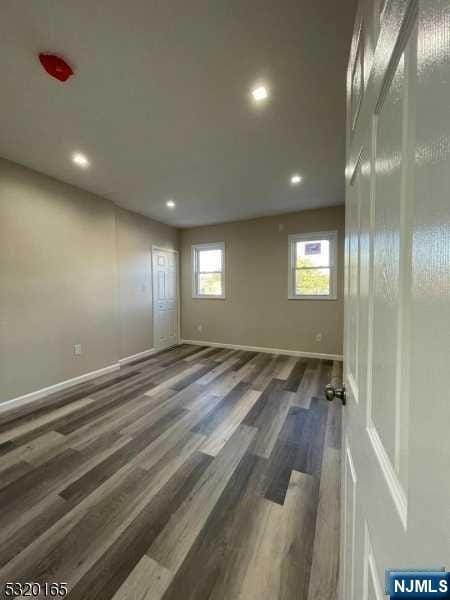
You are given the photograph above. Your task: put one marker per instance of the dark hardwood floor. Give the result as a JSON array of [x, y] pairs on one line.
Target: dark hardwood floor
[[196, 473]]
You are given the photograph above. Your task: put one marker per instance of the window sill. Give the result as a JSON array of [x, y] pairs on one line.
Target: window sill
[[312, 297], [203, 297]]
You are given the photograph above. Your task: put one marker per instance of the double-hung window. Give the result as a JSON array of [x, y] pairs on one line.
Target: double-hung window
[[208, 270], [312, 266]]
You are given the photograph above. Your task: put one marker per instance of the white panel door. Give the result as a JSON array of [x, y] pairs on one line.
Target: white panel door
[[165, 298], [396, 442]]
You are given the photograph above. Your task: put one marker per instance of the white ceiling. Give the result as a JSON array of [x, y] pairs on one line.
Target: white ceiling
[[160, 101]]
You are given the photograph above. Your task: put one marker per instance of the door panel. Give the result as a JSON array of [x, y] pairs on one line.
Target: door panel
[[353, 283], [397, 294], [165, 310], [161, 287], [388, 132], [357, 85], [373, 589], [349, 524], [364, 289]]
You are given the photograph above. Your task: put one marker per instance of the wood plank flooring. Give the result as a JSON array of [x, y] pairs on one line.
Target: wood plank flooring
[[196, 473]]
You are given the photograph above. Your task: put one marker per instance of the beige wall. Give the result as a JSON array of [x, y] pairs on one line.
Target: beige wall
[[256, 311], [73, 269]]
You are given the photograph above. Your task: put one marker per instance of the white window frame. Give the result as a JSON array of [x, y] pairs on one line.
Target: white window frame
[[331, 236], [196, 248]]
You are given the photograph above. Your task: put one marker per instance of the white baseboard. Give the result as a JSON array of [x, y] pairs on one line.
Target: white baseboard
[[36, 395], [32, 396], [299, 353], [127, 359], [62, 385]]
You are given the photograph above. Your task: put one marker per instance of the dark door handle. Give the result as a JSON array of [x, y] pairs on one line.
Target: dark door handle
[[332, 392]]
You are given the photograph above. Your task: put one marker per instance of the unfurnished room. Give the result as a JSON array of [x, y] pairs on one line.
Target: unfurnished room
[[224, 299]]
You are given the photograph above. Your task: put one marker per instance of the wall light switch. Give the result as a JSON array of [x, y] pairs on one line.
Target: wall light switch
[[77, 350], [318, 337], [199, 327]]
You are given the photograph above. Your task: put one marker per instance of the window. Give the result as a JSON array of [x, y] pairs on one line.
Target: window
[[312, 266], [208, 270]]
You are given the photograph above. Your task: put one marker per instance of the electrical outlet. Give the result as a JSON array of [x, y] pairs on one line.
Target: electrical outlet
[[199, 327], [318, 337], [77, 350]]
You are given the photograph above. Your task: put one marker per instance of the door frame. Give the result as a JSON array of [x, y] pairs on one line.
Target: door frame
[[156, 247]]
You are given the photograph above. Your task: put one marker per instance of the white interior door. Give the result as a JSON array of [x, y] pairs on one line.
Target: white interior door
[[165, 298], [396, 442]]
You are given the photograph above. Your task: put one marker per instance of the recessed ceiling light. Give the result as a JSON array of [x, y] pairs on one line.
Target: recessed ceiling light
[[295, 179], [170, 204], [80, 159], [260, 93]]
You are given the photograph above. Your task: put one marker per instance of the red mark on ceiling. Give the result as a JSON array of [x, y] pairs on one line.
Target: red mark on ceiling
[[56, 66]]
